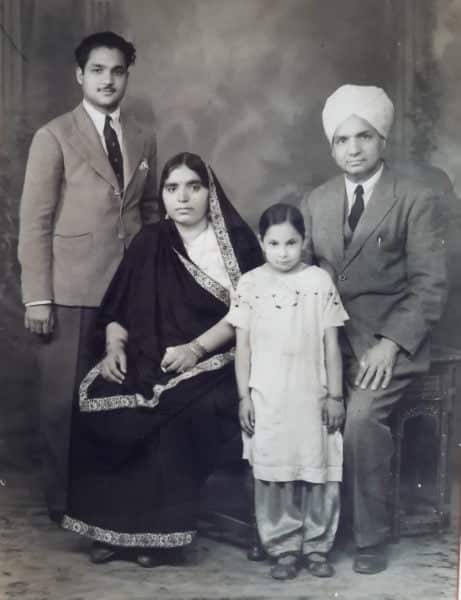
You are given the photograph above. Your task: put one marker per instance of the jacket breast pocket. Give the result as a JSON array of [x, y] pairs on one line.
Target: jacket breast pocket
[[389, 240]]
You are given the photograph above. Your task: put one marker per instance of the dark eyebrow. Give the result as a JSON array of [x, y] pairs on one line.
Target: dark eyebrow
[[102, 66], [188, 182]]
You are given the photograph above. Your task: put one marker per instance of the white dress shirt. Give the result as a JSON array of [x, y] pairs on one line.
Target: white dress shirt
[[99, 120], [368, 187]]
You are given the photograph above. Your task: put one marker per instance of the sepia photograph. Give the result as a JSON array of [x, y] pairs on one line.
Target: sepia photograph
[[230, 299]]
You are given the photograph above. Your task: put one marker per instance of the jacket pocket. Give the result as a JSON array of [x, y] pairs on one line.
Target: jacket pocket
[[73, 247]]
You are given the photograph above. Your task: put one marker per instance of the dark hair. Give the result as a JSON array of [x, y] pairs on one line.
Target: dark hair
[[193, 161], [281, 213], [104, 39]]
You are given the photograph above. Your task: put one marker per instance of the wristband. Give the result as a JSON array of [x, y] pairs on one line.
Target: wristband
[[336, 398], [115, 344], [196, 348]]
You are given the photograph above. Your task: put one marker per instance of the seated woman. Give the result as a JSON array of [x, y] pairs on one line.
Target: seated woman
[[155, 414]]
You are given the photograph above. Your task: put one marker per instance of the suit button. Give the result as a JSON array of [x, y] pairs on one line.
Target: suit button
[[342, 278]]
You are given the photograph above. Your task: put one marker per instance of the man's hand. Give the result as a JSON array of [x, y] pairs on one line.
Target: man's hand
[[377, 365], [39, 319]]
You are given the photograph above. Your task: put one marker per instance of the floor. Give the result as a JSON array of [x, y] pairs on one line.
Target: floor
[[38, 561]]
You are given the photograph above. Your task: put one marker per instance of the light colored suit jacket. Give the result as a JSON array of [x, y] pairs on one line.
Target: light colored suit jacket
[[74, 223], [392, 276]]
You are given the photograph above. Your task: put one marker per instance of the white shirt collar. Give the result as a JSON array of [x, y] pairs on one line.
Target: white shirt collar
[[99, 118], [368, 187]]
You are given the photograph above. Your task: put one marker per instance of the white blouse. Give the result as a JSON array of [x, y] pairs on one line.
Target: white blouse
[[205, 253]]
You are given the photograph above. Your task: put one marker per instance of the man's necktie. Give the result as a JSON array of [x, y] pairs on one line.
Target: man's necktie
[[357, 208], [114, 153]]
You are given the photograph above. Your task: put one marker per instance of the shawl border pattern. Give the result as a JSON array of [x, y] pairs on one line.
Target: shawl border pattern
[[204, 281], [141, 540], [222, 235], [136, 400]]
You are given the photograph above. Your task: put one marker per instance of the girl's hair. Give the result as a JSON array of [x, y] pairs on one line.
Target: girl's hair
[[281, 213], [193, 161]]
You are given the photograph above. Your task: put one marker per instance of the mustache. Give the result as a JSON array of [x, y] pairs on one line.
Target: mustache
[[107, 88]]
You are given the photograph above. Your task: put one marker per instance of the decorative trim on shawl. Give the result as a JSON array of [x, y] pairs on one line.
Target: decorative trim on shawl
[[204, 281], [222, 235], [141, 540], [210, 364], [137, 400]]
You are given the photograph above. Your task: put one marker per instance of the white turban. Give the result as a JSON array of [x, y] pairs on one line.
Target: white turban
[[365, 101]]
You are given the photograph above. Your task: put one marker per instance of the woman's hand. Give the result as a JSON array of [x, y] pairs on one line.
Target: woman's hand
[[178, 358], [247, 415], [113, 367], [333, 414]]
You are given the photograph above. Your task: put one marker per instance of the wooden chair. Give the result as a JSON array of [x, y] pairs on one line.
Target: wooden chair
[[431, 396]]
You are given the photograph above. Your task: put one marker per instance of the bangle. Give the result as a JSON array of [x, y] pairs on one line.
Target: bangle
[[336, 398], [115, 344], [196, 348]]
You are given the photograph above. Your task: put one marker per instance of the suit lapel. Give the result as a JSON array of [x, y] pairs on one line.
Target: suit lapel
[[380, 203], [85, 140], [133, 142], [333, 206]]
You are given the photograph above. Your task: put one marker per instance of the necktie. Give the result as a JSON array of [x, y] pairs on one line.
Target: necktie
[[114, 153], [357, 208]]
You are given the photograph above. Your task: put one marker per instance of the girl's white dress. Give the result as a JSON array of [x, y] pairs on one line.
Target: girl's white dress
[[286, 316]]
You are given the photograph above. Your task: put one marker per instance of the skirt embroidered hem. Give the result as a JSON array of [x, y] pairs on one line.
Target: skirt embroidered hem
[[129, 540]]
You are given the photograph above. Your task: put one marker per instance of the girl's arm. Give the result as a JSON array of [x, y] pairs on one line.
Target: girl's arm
[[185, 356], [242, 373], [334, 413]]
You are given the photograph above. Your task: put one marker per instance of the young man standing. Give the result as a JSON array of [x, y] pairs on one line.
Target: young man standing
[[379, 236], [90, 183]]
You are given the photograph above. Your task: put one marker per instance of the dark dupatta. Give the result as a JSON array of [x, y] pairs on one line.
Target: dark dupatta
[[163, 299], [137, 472]]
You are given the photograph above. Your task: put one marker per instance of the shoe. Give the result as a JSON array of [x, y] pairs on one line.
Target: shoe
[[370, 560], [256, 553], [286, 567], [101, 553], [317, 564], [148, 559]]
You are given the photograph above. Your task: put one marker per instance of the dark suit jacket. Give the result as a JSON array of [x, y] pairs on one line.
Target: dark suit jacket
[[74, 223], [392, 276]]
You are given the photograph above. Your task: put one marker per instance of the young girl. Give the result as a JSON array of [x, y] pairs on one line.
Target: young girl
[[289, 376]]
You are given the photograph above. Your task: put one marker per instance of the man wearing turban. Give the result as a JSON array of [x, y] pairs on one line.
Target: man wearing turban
[[379, 236]]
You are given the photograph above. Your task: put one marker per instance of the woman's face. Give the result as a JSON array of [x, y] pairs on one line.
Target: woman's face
[[185, 197]]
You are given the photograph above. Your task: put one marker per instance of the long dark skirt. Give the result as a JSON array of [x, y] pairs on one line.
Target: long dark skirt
[[136, 473]]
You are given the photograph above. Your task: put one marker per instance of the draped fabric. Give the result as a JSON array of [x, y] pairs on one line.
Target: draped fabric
[[141, 450]]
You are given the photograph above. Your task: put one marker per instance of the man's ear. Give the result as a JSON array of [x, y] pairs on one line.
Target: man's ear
[[79, 75]]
